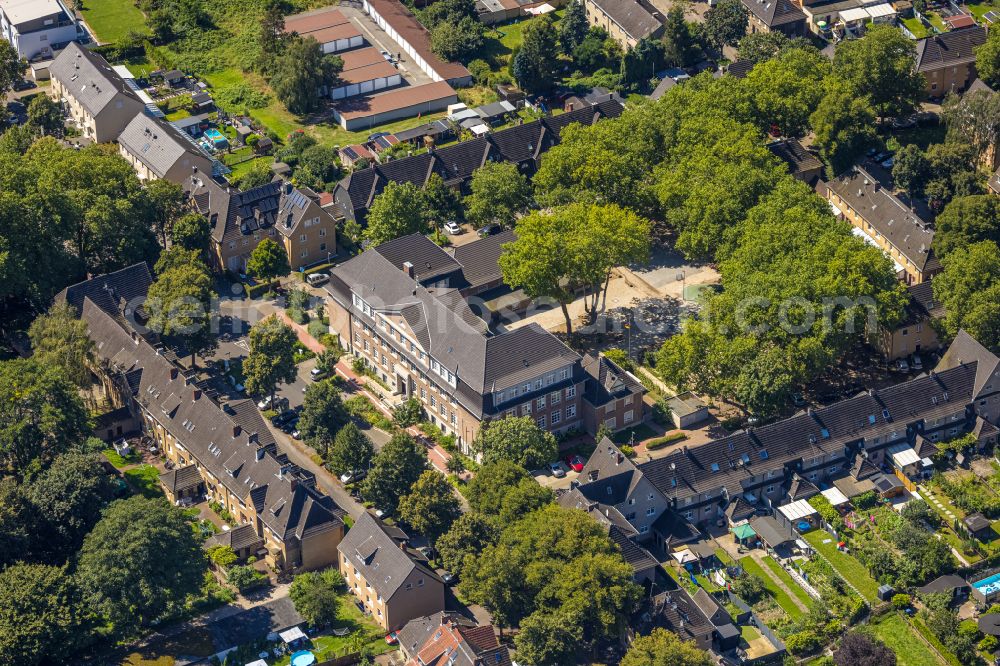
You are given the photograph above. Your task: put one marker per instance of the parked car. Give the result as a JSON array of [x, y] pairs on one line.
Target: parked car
[[387, 56], [236, 385], [290, 426], [351, 477], [285, 416], [381, 513], [888, 163], [24, 84], [902, 365], [917, 362], [317, 374], [391, 638], [296, 433], [575, 462], [452, 227], [448, 578], [558, 469], [317, 278], [265, 403], [490, 230]]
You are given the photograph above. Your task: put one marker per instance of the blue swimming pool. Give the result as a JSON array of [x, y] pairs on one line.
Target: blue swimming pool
[[989, 585], [215, 136], [303, 658]]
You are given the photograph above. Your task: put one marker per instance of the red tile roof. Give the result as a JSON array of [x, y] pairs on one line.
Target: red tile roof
[[401, 98], [400, 18]]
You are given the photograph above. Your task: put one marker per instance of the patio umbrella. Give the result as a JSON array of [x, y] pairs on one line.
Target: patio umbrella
[[990, 624]]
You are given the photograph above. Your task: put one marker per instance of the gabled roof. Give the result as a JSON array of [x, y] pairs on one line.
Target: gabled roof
[[677, 611], [794, 154], [91, 80], [610, 382], [773, 13], [429, 261], [237, 538], [415, 632], [637, 557], [955, 47], [160, 146], [480, 258], [632, 17], [181, 478], [965, 350], [379, 559], [112, 291], [447, 639]]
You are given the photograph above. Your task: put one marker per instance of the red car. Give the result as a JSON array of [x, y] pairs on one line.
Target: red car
[[391, 638], [575, 463]]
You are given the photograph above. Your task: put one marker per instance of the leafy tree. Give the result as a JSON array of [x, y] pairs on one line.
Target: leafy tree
[[317, 166], [966, 220], [522, 499], [268, 261], [911, 170], [534, 67], [17, 139], [41, 415], [490, 485], [787, 89], [548, 637], [68, 498], [969, 289], [439, 203], [952, 173], [466, 538], [351, 451], [222, 556], [167, 203], [880, 66], [573, 27], [397, 211], [42, 619], [258, 174], [408, 413], [515, 439], [60, 339], [499, 193], [140, 562], [178, 303], [191, 232], [591, 54], [858, 649], [271, 360], [664, 647], [46, 116], [17, 522], [394, 471], [458, 41], [677, 38], [316, 595], [640, 64], [758, 47], [323, 415], [726, 23], [973, 119], [748, 587], [12, 68], [987, 59], [430, 506], [271, 35], [302, 72]]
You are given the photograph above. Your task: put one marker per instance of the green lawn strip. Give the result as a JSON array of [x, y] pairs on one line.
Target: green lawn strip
[[936, 21], [146, 480], [848, 567], [896, 632], [749, 633], [641, 432], [118, 461], [924, 631], [981, 10], [724, 557], [786, 578], [751, 566], [915, 26], [112, 19], [328, 646]]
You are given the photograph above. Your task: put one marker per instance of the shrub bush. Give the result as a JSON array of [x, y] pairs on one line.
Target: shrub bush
[[660, 442], [242, 96], [900, 601], [317, 329]]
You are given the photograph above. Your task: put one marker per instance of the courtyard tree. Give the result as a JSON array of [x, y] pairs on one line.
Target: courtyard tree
[[397, 211], [302, 72], [499, 193], [534, 66], [268, 261], [178, 303], [316, 595], [140, 562], [987, 59], [679, 42], [394, 471], [515, 439], [664, 647], [965, 221], [191, 232], [881, 66], [167, 203], [323, 415], [60, 339], [430, 506], [351, 451], [969, 290], [726, 23], [271, 360], [911, 170], [12, 67], [467, 537], [42, 617], [974, 119], [46, 116], [573, 27]]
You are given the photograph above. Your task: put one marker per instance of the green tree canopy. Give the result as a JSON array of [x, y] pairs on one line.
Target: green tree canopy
[[60, 339], [911, 170], [12, 68], [974, 119], [179, 301], [466, 538], [439, 203], [430, 506], [42, 619], [573, 27], [726, 23], [191, 232], [881, 66], [351, 451], [516, 439], [394, 471], [46, 116], [969, 289], [965, 221], [786, 90], [268, 261], [663, 647], [41, 416], [271, 360], [140, 562], [397, 211], [534, 66], [323, 415], [760, 46], [316, 595], [988, 59], [458, 41], [301, 72], [678, 39]]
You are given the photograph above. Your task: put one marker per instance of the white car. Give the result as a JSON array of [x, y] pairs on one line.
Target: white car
[[264, 404], [317, 278], [453, 228], [558, 469]]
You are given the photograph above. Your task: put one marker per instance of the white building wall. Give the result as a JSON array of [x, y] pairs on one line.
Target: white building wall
[[407, 48]]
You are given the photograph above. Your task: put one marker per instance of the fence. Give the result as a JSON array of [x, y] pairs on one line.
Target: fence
[[757, 622]]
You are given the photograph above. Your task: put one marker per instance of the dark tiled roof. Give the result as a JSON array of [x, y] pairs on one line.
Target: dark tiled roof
[[416, 632], [237, 538], [770, 532], [91, 80], [111, 291], [609, 383], [429, 261], [637, 556], [479, 259], [773, 13], [379, 559], [792, 153], [633, 18], [946, 583], [741, 68], [966, 351], [677, 611], [181, 478], [955, 47]]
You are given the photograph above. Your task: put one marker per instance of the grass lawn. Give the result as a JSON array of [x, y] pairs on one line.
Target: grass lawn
[[723, 557], [112, 19], [936, 21], [329, 646], [789, 582], [915, 26], [749, 633], [118, 461], [979, 10], [146, 480], [751, 566], [848, 567], [896, 632], [641, 432]]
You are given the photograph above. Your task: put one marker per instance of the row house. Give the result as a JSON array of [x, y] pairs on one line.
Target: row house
[[915, 334], [391, 583], [451, 639], [156, 149], [522, 145], [948, 60], [762, 467], [626, 21], [240, 220], [223, 452]]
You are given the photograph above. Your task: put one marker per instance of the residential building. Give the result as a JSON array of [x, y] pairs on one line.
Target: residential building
[[399, 306], [276, 210], [914, 334], [898, 426], [393, 586], [522, 145], [38, 28], [613, 396], [626, 21], [802, 164], [97, 99], [948, 60], [904, 232], [783, 16], [224, 452], [157, 149], [328, 26], [450, 639]]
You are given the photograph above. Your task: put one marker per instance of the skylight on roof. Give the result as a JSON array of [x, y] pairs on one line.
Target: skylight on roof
[[745, 458], [825, 433], [871, 419], [715, 467], [763, 454]]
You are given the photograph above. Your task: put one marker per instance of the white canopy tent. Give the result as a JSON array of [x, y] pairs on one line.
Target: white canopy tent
[[797, 510], [835, 497], [881, 11], [291, 635], [854, 15]]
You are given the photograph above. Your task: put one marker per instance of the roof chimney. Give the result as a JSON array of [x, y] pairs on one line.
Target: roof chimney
[[196, 394], [173, 373], [408, 269], [237, 430], [259, 454]]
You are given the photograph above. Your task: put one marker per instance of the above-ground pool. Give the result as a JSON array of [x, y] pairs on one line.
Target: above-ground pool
[[303, 658], [216, 137], [989, 585]]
